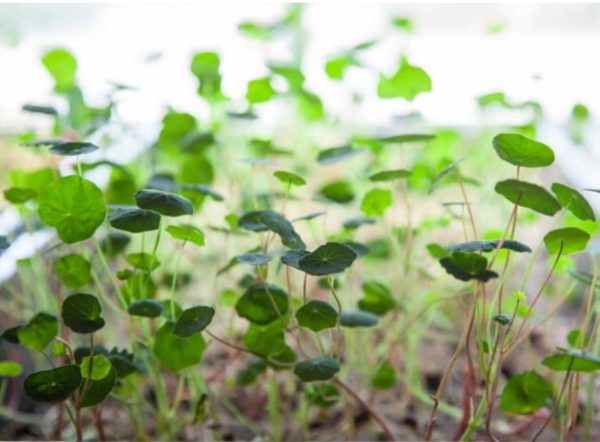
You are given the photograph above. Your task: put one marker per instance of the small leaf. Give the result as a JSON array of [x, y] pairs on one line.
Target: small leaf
[[54, 385], [10, 369], [467, 266], [528, 195], [443, 173], [408, 82], [278, 224], [501, 319], [384, 378], [317, 369], [358, 319], [377, 299], [74, 270], [72, 148], [322, 394], [82, 313], [95, 368], [336, 154], [522, 151], [39, 332], [165, 203], [327, 259], [143, 261], [339, 191], [74, 206], [292, 257], [317, 316], [566, 241], [62, 65], [17, 195], [260, 90], [254, 259], [356, 222], [251, 371], [525, 393], [186, 232], [175, 352], [376, 202], [265, 340], [252, 221], [390, 175], [193, 320], [289, 178], [134, 220], [99, 390], [576, 360], [146, 308], [488, 246], [406, 138], [257, 306], [574, 202]]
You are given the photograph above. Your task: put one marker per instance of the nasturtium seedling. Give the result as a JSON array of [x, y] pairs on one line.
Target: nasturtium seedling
[[278, 224], [72, 148], [525, 393], [176, 352], [53, 385], [356, 222], [289, 178], [390, 175], [97, 391], [408, 82], [165, 203], [265, 340], [19, 195], [377, 298], [260, 90], [10, 369], [574, 202], [566, 241], [262, 304], [330, 258], [186, 232], [39, 332], [74, 206], [134, 220], [317, 315], [193, 320], [522, 151], [254, 259], [466, 266], [337, 154], [339, 191], [573, 360], [384, 378], [528, 195], [143, 261], [146, 308], [376, 201], [488, 246], [318, 369], [74, 270], [358, 318], [95, 368], [82, 312]]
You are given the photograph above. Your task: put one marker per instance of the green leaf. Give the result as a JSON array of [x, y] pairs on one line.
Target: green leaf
[[292, 75], [335, 67], [339, 191], [176, 352], [99, 390], [566, 241], [525, 393], [257, 306], [384, 378], [322, 395], [390, 175], [39, 332], [282, 227], [54, 385], [356, 222], [74, 270], [193, 320], [318, 369], [205, 66], [62, 65], [260, 90], [404, 24], [574, 202], [528, 195], [327, 259], [143, 261], [95, 368], [165, 203], [317, 316], [187, 232], [146, 308], [377, 299], [405, 138], [289, 178], [72, 148], [358, 319], [501, 319], [522, 151], [292, 257], [265, 340], [376, 201], [309, 105], [18, 195], [337, 154], [82, 313], [488, 246], [251, 371], [74, 206], [576, 360], [134, 220], [254, 259], [10, 369], [466, 266], [252, 221], [408, 82]]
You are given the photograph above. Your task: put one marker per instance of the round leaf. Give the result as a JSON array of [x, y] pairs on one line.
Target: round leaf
[[74, 270], [289, 178], [566, 241], [165, 203], [254, 259], [99, 390], [186, 232], [574, 202], [265, 340], [38, 332], [134, 220], [376, 202], [522, 151], [384, 378], [95, 368], [54, 385], [175, 352], [528, 195], [72, 148], [525, 393], [327, 259], [338, 191], [10, 369], [257, 306], [74, 206], [390, 175], [358, 319], [466, 266], [317, 316], [81, 313], [193, 320], [146, 308], [317, 369], [575, 360]]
